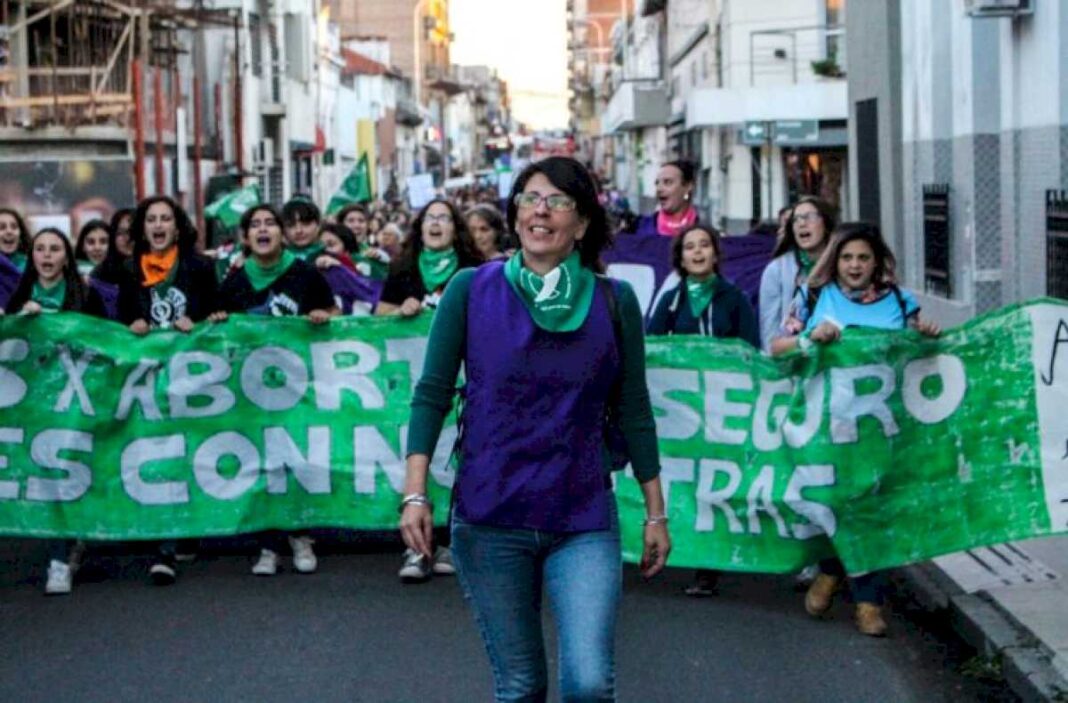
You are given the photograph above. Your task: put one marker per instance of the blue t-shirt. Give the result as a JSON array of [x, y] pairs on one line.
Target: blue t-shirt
[[884, 313]]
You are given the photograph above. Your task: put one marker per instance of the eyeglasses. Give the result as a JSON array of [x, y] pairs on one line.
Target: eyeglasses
[[805, 217], [557, 202], [443, 218]]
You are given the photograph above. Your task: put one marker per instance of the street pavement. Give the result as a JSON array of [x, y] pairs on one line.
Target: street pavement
[[351, 632]]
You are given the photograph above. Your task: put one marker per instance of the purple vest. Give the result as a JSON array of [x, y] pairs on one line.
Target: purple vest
[[533, 448]]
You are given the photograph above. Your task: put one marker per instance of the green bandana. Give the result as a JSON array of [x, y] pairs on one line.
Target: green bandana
[[50, 299], [558, 301], [374, 268], [19, 259], [699, 293], [261, 277], [85, 267], [804, 262], [307, 254], [437, 267]]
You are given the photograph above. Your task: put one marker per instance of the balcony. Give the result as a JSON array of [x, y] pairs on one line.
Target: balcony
[[634, 106]]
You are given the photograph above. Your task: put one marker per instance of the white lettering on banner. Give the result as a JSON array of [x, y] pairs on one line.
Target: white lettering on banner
[[45, 452], [371, 451], [708, 498], [821, 519], [312, 471], [930, 411], [292, 368], [330, 379], [186, 384], [799, 435], [12, 387], [9, 490], [674, 470], [766, 437], [718, 408], [847, 407], [75, 384], [142, 451], [140, 387], [206, 465], [411, 350], [679, 420], [759, 501], [441, 463], [1049, 356]]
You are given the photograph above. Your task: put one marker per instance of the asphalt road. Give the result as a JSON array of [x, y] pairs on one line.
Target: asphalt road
[[351, 632]]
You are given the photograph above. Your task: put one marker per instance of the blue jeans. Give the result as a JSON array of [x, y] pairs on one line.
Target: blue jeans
[[503, 573], [866, 588]]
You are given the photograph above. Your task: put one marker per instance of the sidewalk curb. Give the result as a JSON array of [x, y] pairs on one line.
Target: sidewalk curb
[[1026, 663]]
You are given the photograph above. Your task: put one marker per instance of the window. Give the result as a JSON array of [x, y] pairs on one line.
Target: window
[[1056, 244], [296, 38], [255, 44], [936, 253]]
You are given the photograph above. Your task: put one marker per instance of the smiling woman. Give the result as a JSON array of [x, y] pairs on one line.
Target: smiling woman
[[533, 500]]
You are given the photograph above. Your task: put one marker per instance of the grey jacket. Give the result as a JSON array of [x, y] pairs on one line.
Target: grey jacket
[[778, 285]]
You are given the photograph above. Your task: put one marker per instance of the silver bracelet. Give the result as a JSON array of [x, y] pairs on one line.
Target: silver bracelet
[[655, 520], [416, 499]]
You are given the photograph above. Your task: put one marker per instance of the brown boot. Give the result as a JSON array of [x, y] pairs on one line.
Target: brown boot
[[870, 620], [820, 594]]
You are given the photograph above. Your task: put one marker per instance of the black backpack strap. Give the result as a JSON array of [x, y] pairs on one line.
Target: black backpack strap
[[900, 303]]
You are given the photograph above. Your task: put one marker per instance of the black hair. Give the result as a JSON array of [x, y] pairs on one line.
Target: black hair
[[686, 168], [352, 207], [116, 218], [24, 231], [461, 242], [495, 220], [187, 233], [679, 242], [246, 216], [348, 239], [571, 177], [788, 242], [79, 245], [77, 292], [298, 208]]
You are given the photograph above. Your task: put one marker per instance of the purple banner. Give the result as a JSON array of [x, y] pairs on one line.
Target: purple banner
[[352, 290], [644, 261]]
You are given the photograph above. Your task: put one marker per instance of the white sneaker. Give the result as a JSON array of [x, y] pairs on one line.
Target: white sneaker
[[416, 568], [59, 579], [304, 559], [267, 564], [442, 563]]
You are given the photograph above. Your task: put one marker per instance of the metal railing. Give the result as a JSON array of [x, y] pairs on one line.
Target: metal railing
[[796, 52]]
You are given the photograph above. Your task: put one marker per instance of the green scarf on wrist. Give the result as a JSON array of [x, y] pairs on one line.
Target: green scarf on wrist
[[261, 277], [699, 293], [376, 268], [560, 300], [50, 299], [437, 267], [307, 254]]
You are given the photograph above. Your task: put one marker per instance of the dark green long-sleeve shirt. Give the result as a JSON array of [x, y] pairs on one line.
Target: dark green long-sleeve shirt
[[434, 392]]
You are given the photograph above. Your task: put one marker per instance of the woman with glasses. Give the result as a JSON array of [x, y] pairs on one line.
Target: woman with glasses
[[804, 239], [674, 193], [436, 249], [534, 510]]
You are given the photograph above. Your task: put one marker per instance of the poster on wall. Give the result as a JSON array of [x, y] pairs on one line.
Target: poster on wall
[[67, 194]]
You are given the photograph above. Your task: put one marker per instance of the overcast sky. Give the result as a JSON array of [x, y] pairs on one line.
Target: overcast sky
[[526, 41]]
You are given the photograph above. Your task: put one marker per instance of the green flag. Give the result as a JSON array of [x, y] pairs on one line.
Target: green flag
[[229, 208], [356, 188]]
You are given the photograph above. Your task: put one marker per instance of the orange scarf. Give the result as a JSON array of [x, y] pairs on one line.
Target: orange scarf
[[155, 267]]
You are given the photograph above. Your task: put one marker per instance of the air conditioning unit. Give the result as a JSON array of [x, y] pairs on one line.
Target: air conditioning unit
[[999, 8], [263, 156]]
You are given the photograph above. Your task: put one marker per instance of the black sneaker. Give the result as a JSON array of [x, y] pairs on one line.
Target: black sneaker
[[163, 572]]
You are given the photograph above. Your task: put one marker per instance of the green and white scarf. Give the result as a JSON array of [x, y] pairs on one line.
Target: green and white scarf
[[560, 300], [307, 254], [19, 260], [50, 299], [262, 277], [437, 267], [699, 293]]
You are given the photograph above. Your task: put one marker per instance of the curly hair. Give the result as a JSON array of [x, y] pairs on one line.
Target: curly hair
[[413, 243]]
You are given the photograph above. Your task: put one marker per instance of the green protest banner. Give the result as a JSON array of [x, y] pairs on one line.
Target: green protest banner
[[356, 188], [229, 208], [886, 448]]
